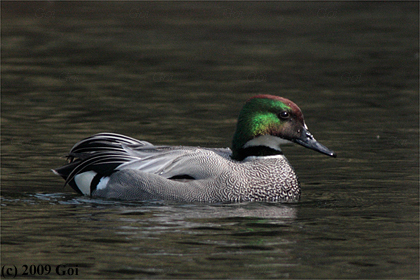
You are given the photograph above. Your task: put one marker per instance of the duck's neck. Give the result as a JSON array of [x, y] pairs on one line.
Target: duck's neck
[[264, 145], [257, 151]]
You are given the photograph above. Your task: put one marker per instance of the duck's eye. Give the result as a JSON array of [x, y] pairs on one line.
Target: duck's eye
[[284, 115]]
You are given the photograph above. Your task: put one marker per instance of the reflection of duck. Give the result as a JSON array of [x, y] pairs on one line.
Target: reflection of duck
[[280, 213], [116, 166]]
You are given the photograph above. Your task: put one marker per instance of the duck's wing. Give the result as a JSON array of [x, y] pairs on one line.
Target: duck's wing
[[175, 162], [101, 155]]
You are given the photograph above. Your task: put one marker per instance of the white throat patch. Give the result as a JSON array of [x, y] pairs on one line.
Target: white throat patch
[[270, 141]]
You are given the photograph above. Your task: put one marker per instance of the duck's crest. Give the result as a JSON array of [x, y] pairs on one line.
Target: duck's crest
[[295, 108]]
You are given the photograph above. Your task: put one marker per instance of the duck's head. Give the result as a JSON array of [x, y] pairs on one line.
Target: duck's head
[[265, 122]]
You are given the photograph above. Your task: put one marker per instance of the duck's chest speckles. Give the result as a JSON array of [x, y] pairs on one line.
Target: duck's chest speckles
[[268, 179], [270, 169]]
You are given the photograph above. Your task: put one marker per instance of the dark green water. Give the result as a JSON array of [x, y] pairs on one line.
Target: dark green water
[[178, 73]]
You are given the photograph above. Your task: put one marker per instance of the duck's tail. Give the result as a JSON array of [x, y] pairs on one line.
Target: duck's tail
[[65, 171], [94, 159]]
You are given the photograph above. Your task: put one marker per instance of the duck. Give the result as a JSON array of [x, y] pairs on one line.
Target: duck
[[115, 166]]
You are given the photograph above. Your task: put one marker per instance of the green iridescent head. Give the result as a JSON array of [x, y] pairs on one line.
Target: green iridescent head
[[265, 122]]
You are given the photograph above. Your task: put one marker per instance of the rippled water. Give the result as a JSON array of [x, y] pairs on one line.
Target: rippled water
[[178, 73]]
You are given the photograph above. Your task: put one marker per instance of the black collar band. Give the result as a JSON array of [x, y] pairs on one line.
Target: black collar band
[[258, 151]]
